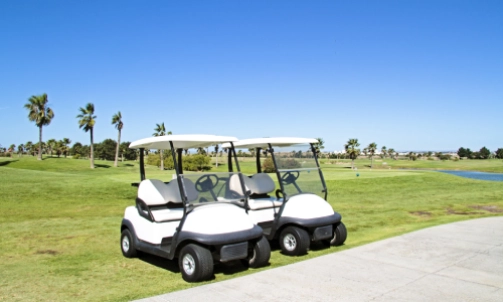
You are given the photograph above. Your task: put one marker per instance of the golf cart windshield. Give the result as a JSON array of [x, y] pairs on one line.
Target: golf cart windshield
[[298, 170], [202, 188]]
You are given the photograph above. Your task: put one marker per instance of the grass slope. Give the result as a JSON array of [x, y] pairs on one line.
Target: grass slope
[[60, 224]]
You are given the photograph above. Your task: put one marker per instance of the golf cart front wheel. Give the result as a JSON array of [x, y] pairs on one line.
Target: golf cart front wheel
[[127, 244], [340, 235], [260, 254], [196, 263], [294, 241]]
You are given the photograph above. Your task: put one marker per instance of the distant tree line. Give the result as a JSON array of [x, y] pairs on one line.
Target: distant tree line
[[105, 150], [483, 153], [42, 115]]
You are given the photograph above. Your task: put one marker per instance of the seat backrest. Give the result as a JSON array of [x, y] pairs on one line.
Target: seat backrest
[[190, 189], [260, 183], [155, 192], [235, 184]]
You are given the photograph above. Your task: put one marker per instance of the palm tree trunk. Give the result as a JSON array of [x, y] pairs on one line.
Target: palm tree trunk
[[162, 162], [92, 149], [117, 149], [40, 142], [371, 162], [352, 164]]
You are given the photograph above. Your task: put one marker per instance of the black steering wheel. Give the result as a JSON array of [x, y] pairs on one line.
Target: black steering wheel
[[290, 177], [206, 183]]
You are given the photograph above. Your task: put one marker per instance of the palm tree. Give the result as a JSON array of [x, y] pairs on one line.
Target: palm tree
[[28, 146], [20, 150], [51, 143], [391, 153], [41, 114], [160, 130], [12, 148], [117, 121], [319, 145], [352, 151], [384, 151], [87, 119], [372, 147], [58, 147], [216, 158], [122, 153], [64, 146]]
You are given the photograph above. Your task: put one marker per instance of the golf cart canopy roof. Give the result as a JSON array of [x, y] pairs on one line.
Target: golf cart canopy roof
[[185, 141], [274, 141]]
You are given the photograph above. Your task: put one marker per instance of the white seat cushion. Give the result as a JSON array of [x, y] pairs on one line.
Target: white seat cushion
[[155, 192], [190, 189], [260, 183], [235, 184]]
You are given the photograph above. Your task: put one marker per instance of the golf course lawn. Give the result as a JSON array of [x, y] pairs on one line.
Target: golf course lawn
[[60, 221]]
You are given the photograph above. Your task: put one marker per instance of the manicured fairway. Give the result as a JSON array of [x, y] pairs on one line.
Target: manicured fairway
[[60, 223]]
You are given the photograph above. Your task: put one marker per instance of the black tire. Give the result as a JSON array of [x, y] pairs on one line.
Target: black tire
[[196, 263], [294, 241], [339, 237], [128, 247], [259, 254]]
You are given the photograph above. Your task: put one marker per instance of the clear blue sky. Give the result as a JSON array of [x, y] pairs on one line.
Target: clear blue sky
[[410, 75]]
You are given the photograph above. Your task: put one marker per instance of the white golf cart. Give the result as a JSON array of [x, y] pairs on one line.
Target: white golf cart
[[298, 212], [191, 216]]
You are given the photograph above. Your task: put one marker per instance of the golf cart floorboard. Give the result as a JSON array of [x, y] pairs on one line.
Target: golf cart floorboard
[[155, 249]]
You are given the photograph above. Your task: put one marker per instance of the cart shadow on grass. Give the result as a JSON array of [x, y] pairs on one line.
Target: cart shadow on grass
[[227, 268]]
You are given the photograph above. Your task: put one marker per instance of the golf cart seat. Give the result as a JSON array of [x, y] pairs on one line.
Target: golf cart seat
[[260, 185], [162, 200]]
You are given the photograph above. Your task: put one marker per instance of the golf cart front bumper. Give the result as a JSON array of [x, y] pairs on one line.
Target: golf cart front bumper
[[312, 222], [222, 239], [234, 251]]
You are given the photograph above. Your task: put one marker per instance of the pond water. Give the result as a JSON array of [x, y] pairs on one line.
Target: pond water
[[476, 175]]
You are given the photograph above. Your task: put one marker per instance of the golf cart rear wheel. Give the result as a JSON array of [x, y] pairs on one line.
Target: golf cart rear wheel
[[196, 263], [294, 241], [127, 244], [340, 235], [260, 254]]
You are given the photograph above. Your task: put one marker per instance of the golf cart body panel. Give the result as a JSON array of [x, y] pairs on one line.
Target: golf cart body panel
[[195, 216], [208, 219], [148, 231], [221, 238], [300, 191], [317, 207]]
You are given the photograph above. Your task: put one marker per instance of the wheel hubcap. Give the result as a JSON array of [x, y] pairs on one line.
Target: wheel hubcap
[[125, 244], [290, 242], [189, 265]]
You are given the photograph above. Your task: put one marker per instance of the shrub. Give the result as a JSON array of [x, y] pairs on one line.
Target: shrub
[[76, 156], [155, 160], [283, 163], [444, 156], [197, 162], [268, 166], [430, 158]]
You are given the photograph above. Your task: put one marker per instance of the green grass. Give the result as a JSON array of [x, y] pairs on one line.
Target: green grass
[[60, 222], [486, 165]]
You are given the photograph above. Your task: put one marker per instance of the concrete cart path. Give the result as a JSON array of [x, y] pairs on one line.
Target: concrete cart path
[[461, 261]]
